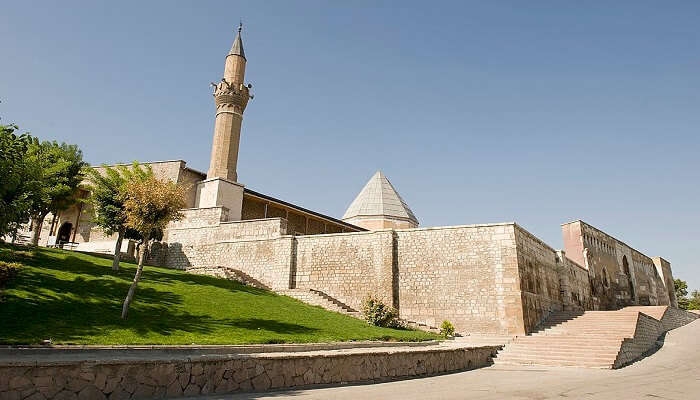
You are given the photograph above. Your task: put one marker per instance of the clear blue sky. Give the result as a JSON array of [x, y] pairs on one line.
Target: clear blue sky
[[538, 112]]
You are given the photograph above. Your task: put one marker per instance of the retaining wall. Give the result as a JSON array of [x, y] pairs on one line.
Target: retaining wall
[[144, 379]]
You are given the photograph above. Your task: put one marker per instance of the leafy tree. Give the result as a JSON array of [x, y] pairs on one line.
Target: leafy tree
[[107, 197], [681, 288], [694, 302], [150, 205], [58, 170], [16, 181]]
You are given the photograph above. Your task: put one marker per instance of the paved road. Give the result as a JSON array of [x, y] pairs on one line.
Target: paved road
[[671, 373]]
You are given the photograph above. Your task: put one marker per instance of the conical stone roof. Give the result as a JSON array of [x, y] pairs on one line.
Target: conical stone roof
[[237, 48], [380, 198]]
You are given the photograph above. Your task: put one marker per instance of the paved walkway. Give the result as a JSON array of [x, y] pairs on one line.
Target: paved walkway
[[671, 373]]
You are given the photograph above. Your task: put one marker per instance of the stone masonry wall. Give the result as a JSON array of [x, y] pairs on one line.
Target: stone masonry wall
[[467, 275], [540, 272], [136, 379], [190, 245], [346, 266], [265, 262], [575, 286]]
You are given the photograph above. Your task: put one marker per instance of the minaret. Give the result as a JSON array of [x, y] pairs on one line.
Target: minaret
[[231, 97]]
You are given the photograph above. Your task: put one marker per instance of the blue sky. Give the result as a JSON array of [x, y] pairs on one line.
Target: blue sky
[[537, 112]]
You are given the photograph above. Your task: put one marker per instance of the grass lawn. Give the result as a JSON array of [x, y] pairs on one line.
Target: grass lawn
[[73, 298]]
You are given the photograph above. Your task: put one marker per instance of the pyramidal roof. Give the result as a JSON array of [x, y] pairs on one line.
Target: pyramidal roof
[[237, 48], [379, 198]]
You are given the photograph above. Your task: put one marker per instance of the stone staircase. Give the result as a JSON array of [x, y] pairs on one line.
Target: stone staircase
[[318, 298], [594, 339]]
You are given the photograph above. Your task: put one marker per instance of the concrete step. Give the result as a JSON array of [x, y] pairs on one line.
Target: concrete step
[[561, 353], [543, 348], [602, 365]]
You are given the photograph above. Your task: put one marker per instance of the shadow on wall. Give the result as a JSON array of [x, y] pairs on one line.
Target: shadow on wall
[[172, 255]]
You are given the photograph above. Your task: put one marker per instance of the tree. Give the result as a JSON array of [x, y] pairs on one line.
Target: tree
[[694, 302], [58, 172], [681, 288], [16, 181], [150, 205], [107, 196]]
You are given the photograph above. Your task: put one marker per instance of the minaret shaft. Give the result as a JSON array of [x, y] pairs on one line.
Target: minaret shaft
[[231, 97]]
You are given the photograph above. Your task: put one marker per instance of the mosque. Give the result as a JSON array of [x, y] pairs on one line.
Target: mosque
[[485, 278]]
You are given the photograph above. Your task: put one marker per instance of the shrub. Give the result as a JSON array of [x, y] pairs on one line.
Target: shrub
[[8, 271], [375, 312], [447, 329]]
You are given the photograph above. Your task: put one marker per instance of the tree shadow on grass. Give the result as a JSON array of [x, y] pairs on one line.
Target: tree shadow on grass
[[270, 325], [158, 275], [40, 305]]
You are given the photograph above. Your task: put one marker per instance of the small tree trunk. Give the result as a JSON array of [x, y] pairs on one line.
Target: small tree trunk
[[118, 250], [137, 277], [37, 222]]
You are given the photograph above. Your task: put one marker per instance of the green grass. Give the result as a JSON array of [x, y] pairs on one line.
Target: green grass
[[74, 298]]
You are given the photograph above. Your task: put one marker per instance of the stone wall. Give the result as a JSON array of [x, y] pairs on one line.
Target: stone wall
[[193, 243], [619, 275], [467, 275], [347, 266], [646, 333], [266, 261], [218, 374], [540, 278], [575, 286]]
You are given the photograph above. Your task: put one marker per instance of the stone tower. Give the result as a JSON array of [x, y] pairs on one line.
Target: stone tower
[[379, 206], [231, 95]]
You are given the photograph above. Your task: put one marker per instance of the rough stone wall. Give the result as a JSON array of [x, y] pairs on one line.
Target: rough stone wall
[[467, 275], [252, 209], [674, 318], [540, 279], [646, 332], [620, 275], [346, 266], [575, 286], [663, 267], [188, 179], [136, 379]]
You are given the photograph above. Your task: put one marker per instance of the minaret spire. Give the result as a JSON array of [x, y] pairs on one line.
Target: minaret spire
[[237, 48]]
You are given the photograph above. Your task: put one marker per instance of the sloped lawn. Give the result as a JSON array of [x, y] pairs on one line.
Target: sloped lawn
[[73, 298]]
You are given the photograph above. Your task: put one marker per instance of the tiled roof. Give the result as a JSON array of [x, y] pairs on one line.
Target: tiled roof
[[379, 198]]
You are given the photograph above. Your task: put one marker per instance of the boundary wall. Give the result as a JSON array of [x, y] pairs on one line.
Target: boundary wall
[[495, 279]]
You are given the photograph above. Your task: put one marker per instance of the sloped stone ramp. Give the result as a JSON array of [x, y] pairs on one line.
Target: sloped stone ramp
[[594, 339]]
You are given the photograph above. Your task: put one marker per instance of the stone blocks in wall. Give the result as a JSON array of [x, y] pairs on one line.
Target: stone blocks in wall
[[347, 266], [206, 375], [268, 262], [467, 275]]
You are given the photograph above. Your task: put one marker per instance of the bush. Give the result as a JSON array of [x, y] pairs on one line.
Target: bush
[[8, 271], [447, 329], [375, 312]]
